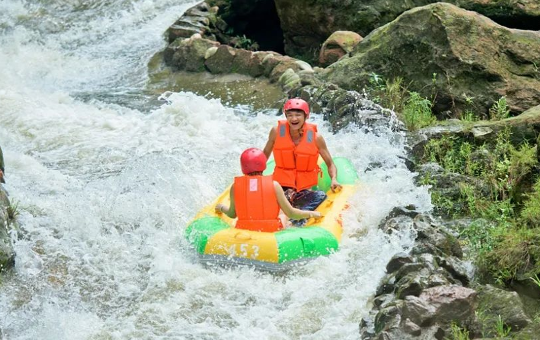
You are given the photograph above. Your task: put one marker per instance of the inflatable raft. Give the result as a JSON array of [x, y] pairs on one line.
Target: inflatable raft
[[217, 241]]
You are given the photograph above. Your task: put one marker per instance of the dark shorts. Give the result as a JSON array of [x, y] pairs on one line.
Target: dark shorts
[[306, 199]]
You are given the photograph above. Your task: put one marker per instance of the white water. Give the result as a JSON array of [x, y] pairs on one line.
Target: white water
[[105, 192]]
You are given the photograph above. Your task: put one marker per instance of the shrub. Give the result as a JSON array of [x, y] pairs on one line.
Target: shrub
[[499, 110], [530, 215], [417, 112]]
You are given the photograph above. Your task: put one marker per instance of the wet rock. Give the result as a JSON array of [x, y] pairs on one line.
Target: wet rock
[[389, 317], [456, 268], [387, 285], [383, 300], [418, 311], [398, 261], [434, 237], [407, 269], [397, 223], [411, 284], [270, 61]]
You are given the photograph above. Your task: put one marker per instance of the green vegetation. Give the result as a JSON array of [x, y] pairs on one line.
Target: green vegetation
[[501, 329], [496, 191], [499, 110], [244, 43], [413, 109], [490, 327], [12, 210], [458, 333]]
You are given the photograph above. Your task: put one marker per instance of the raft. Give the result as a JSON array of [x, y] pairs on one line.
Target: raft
[[217, 241]]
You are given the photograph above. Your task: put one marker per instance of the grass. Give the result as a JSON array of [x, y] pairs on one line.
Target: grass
[[458, 333], [413, 109], [12, 210], [498, 196]]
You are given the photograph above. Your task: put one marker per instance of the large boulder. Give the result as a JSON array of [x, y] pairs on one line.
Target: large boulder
[[337, 45], [304, 33], [463, 59]]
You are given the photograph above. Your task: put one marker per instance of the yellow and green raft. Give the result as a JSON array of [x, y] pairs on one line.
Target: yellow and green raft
[[217, 241]]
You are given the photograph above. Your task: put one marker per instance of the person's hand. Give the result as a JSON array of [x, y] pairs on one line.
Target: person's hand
[[335, 186], [315, 214], [219, 208], [2, 177]]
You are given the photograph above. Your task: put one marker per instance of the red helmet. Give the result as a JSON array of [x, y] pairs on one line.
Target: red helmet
[[252, 160], [296, 104]]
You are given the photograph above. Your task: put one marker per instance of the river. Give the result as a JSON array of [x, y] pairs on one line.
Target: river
[[106, 176]]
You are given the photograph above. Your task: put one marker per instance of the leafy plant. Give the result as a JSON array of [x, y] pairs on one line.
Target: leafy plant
[[244, 42], [479, 235], [535, 279], [394, 94], [501, 329], [417, 112], [458, 333], [468, 116], [499, 110], [530, 214], [12, 210]]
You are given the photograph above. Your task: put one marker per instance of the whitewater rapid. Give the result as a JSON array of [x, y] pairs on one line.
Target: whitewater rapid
[[106, 180]]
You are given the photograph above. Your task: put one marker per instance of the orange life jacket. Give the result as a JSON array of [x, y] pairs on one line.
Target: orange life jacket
[[296, 165], [256, 204]]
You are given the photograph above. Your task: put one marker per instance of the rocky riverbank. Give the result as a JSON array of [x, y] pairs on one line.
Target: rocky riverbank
[[466, 57]]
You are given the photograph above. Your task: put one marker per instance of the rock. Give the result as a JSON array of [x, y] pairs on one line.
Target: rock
[[507, 304], [398, 261], [445, 49], [436, 236], [191, 54], [269, 62], [411, 328], [456, 268], [289, 80], [222, 60], [210, 52], [389, 317], [256, 66], [411, 284], [337, 45], [194, 20], [398, 223], [304, 66], [7, 253], [407, 269], [304, 33], [242, 62], [450, 303], [284, 64], [417, 310]]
